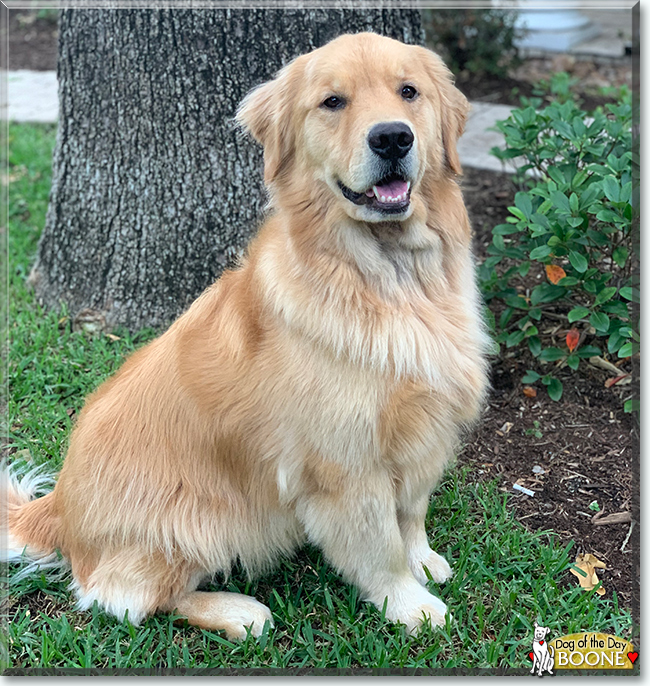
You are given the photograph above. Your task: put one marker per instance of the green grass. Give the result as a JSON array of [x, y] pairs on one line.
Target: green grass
[[505, 578]]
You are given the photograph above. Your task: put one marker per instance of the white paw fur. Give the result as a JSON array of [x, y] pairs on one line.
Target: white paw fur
[[438, 567], [242, 611], [412, 605]]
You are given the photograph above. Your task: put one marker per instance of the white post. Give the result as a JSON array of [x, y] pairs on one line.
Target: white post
[[552, 30]]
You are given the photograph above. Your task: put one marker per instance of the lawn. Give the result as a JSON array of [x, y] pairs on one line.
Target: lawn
[[505, 577]]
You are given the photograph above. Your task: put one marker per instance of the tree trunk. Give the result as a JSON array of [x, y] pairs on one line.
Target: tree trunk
[[154, 191]]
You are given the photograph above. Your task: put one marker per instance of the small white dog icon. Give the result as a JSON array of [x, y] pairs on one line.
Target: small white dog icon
[[543, 658]]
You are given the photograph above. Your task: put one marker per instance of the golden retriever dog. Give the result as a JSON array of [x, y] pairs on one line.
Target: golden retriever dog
[[316, 392]]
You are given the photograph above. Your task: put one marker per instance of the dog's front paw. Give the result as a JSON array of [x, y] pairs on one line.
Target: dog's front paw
[[414, 606], [438, 567]]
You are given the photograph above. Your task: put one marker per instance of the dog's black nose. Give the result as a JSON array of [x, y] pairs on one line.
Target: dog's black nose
[[391, 141]]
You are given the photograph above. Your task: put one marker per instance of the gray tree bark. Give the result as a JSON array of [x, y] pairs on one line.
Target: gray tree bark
[[154, 190]]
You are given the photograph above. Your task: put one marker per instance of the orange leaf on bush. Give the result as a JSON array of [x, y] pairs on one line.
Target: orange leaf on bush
[[530, 392], [554, 273], [572, 339]]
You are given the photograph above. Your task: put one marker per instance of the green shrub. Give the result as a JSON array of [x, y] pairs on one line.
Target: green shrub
[[567, 255], [479, 42], [560, 87]]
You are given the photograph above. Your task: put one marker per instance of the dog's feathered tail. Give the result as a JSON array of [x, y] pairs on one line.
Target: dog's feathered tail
[[29, 526]]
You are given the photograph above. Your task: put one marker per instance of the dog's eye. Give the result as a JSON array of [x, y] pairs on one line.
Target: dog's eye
[[333, 103], [408, 92]]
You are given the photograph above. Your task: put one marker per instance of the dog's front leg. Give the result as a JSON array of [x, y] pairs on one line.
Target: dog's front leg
[[356, 528], [411, 515]]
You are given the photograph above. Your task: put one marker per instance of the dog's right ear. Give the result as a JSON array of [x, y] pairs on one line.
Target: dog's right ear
[[266, 113]]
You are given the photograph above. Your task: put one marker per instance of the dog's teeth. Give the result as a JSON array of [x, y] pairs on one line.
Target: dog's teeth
[[408, 186], [391, 199]]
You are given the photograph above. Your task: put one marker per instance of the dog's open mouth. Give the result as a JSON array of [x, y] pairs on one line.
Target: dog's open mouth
[[390, 195]]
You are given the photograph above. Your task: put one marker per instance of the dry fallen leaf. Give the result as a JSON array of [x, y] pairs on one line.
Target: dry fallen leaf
[[530, 392], [554, 273], [585, 569], [614, 518], [602, 363], [622, 379], [572, 339]]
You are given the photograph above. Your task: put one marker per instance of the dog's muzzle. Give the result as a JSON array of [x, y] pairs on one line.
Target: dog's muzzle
[[390, 144]]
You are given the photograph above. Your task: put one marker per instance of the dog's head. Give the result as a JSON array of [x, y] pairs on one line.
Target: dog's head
[[364, 117], [540, 632]]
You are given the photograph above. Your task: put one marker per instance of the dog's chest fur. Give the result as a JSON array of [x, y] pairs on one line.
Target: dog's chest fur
[[391, 372], [389, 310]]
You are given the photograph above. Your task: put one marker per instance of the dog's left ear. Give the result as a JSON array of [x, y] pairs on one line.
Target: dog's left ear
[[454, 116], [266, 113], [454, 107]]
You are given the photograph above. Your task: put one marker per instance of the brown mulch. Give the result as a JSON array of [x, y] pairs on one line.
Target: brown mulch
[[590, 75], [32, 41], [583, 448]]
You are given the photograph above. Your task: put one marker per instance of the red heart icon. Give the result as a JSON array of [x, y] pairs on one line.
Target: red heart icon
[[633, 657], [541, 643], [531, 656]]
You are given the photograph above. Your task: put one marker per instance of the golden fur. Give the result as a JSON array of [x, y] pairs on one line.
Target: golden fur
[[317, 392]]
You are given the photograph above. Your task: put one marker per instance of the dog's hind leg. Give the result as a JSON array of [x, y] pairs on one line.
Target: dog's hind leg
[[129, 582], [233, 613], [135, 584]]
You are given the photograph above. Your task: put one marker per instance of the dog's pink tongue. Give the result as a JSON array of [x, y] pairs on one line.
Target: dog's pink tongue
[[392, 189]]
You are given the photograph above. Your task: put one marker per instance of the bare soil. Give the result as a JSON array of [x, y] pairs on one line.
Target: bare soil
[[32, 40]]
